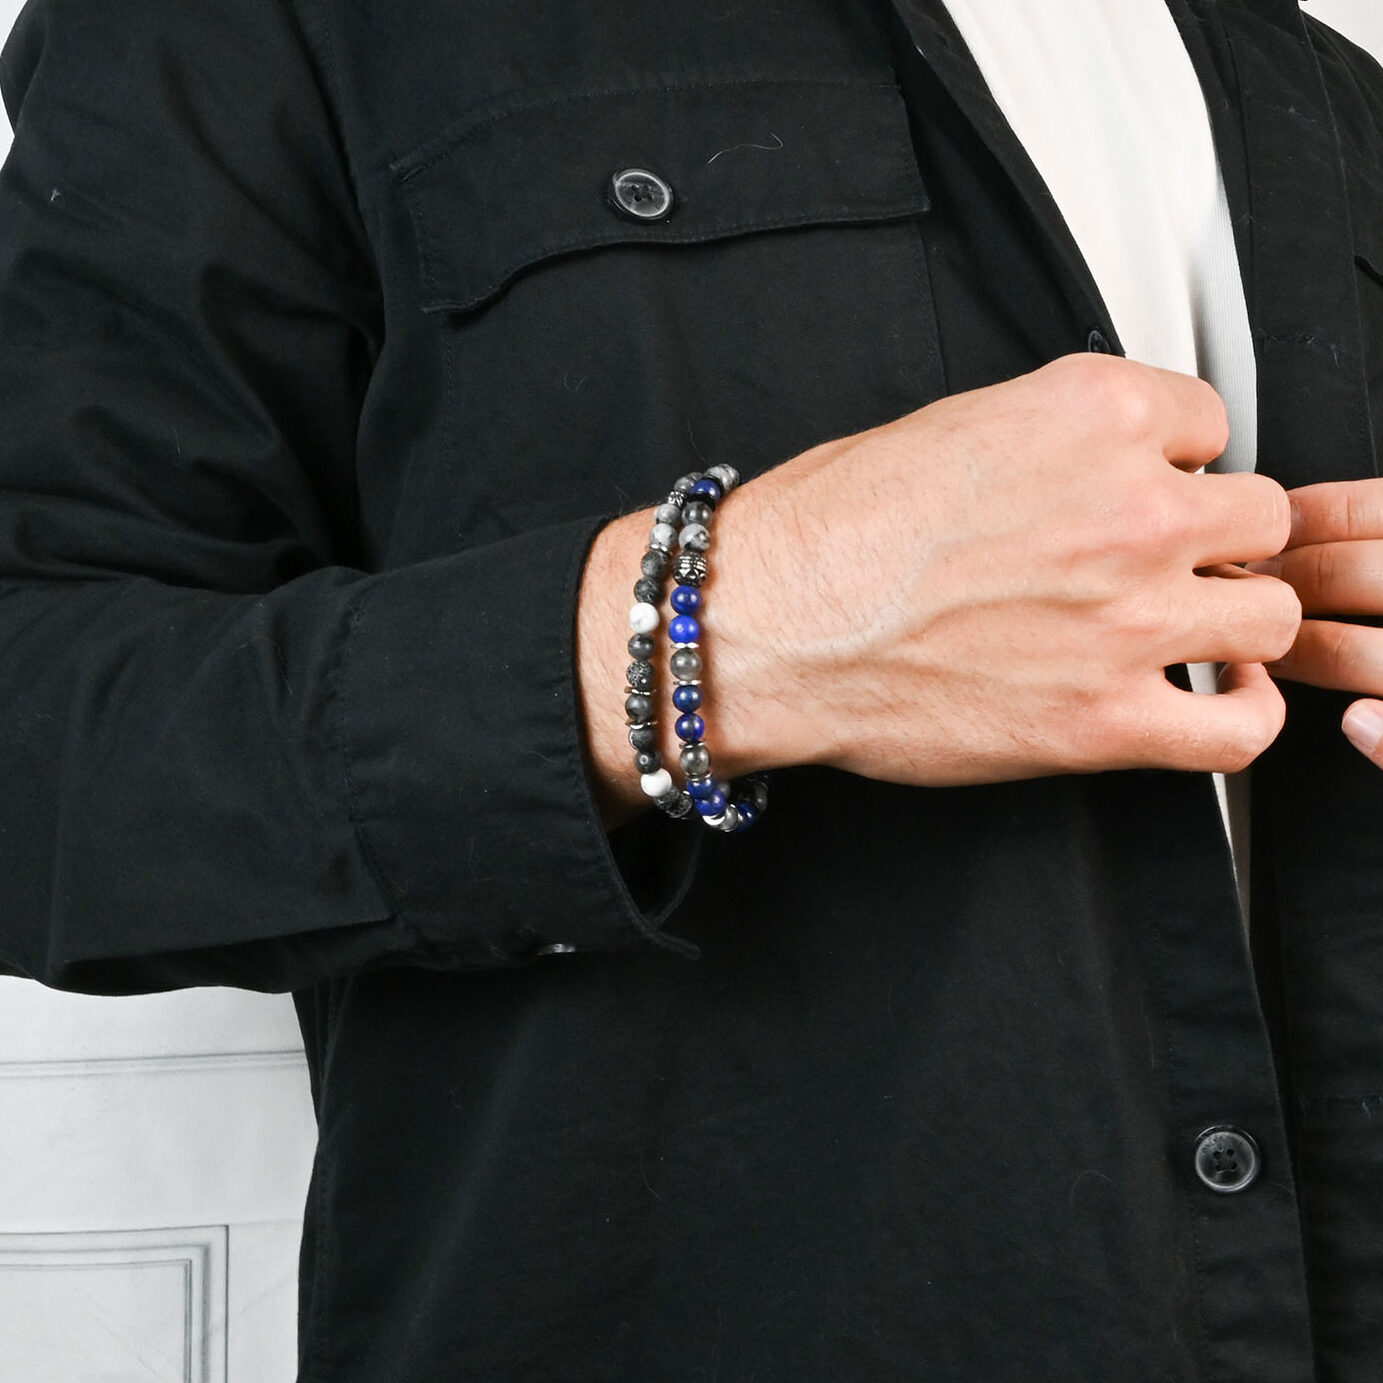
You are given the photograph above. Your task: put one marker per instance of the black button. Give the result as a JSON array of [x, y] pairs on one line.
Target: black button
[[1227, 1159], [639, 194], [1098, 342]]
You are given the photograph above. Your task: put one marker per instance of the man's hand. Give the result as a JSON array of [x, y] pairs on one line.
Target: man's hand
[[1334, 561], [990, 589]]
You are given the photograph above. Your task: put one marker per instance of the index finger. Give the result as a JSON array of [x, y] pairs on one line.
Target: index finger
[[1195, 421], [1336, 511]]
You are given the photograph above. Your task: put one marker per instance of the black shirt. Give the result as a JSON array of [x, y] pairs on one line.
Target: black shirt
[[323, 357]]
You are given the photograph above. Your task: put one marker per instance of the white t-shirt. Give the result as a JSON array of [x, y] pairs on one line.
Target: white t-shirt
[[1104, 98]]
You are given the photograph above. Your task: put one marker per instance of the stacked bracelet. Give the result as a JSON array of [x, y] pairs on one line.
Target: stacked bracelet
[[641, 681], [684, 518]]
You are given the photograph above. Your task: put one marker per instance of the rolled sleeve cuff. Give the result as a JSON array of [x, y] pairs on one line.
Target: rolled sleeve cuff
[[464, 764]]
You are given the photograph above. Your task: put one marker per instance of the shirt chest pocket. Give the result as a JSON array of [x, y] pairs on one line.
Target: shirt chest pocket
[[624, 285]]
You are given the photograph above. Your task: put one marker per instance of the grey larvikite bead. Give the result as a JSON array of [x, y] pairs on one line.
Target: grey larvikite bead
[[641, 646], [695, 760], [654, 563], [668, 513], [685, 664], [643, 737], [648, 590], [638, 707], [728, 476], [697, 511]]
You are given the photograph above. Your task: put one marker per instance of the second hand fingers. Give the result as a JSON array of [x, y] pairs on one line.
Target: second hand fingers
[[1344, 578], [1327, 653]]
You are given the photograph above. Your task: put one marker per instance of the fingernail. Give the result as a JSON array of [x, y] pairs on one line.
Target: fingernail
[[1363, 727]]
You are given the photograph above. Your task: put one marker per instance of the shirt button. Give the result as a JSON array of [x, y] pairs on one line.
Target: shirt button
[[1098, 342], [640, 195], [1227, 1159]]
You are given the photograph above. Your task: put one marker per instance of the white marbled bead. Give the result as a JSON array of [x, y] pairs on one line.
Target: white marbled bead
[[662, 537], [644, 618], [657, 784]]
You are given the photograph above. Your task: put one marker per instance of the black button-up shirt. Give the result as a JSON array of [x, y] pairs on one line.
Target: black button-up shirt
[[322, 354]]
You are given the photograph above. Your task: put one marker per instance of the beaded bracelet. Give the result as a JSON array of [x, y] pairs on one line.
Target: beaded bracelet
[[685, 518]]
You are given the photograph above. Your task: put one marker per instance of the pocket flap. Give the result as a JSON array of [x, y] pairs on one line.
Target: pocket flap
[[508, 190]]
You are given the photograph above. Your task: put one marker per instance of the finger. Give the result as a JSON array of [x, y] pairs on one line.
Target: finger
[[1216, 734], [1180, 414], [1334, 578], [1345, 657], [1241, 517], [1232, 616], [1196, 425], [1363, 727], [1337, 511]]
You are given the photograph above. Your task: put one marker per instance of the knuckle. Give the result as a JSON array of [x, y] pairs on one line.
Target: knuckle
[[1256, 729], [1216, 422], [1111, 391], [1128, 403], [1284, 617], [1336, 650], [1148, 518], [1277, 512], [1241, 749], [1140, 617]]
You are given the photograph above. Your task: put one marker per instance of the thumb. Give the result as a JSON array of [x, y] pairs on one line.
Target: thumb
[[1363, 727]]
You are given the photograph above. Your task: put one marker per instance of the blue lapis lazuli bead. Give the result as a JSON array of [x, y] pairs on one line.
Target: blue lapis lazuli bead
[[708, 488], [684, 629], [687, 697], [749, 814], [686, 600], [712, 805], [691, 728], [699, 788]]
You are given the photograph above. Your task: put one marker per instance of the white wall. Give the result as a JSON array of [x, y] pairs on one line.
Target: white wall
[[173, 1130]]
